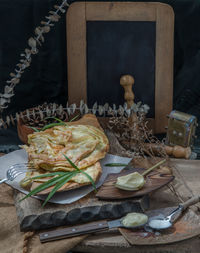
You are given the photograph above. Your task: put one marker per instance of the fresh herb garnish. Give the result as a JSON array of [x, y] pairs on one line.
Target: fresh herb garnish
[[74, 118], [59, 180], [115, 164], [35, 129], [59, 123], [52, 125], [57, 119], [80, 171]]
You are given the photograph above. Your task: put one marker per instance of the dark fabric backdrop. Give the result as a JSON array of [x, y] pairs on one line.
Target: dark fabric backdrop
[[46, 79]]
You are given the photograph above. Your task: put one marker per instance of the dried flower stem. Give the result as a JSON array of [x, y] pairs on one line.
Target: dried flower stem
[[34, 115], [133, 134], [33, 43]]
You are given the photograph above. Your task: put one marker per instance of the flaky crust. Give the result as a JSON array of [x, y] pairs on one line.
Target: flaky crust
[[88, 158], [71, 185]]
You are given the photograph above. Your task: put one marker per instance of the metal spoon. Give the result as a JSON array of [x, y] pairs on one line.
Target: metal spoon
[[84, 229], [160, 222]]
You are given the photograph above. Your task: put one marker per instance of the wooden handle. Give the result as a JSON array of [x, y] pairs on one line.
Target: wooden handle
[[176, 151], [127, 82], [190, 202], [73, 231], [181, 152], [153, 167]]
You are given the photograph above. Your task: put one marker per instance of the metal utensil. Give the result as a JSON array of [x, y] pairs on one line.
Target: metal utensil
[[83, 229], [14, 171], [163, 222]]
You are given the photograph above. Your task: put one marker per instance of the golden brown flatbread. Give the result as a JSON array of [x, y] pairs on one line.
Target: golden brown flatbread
[[78, 181], [83, 144]]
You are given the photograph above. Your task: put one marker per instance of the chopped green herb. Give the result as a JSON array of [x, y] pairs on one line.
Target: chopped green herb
[[35, 129], [59, 184], [57, 119], [52, 125], [115, 164], [74, 118], [80, 171], [59, 123]]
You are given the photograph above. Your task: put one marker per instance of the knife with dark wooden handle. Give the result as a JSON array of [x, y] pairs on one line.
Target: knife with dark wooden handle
[[74, 231], [85, 229]]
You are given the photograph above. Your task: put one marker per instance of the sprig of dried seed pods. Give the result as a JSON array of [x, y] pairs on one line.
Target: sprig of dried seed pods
[[25, 61], [37, 116]]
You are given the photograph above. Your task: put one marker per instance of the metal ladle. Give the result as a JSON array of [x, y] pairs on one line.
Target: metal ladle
[[160, 222]]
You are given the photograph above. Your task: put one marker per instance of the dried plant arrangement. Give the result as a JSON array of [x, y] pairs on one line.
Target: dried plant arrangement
[[26, 57], [38, 115], [128, 125], [133, 133]]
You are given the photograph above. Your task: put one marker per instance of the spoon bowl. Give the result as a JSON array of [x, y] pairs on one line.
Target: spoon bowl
[[159, 223]]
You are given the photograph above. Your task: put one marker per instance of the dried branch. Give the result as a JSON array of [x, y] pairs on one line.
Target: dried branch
[[36, 116], [25, 62], [132, 131]]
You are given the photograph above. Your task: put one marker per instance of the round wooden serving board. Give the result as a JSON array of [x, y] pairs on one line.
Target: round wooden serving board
[[154, 181]]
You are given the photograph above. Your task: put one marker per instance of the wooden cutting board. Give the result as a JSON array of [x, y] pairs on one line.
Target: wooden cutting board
[[154, 181], [186, 227], [32, 216]]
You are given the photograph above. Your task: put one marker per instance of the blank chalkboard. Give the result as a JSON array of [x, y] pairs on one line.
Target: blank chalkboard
[[118, 48], [106, 40]]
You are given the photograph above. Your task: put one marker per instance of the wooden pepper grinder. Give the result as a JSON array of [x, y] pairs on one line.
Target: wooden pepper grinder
[[127, 81]]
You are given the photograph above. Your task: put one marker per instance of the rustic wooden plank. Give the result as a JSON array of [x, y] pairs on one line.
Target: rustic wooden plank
[[32, 216], [186, 227], [100, 243], [120, 11], [164, 66], [114, 242], [76, 48], [162, 14]]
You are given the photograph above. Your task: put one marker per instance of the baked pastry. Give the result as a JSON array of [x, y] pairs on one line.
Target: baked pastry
[[84, 145]]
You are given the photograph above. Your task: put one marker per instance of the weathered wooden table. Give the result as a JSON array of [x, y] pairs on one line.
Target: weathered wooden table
[[114, 241]]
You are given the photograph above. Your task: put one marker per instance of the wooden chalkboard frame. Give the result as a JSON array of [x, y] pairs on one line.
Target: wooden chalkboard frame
[[162, 14]]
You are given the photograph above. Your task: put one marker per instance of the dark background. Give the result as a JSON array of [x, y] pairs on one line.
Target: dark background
[[115, 48], [46, 79]]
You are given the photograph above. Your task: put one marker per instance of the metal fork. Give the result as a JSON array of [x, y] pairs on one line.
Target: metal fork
[[16, 170]]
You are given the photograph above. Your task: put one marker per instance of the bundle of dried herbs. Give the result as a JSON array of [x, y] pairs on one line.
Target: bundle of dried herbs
[[133, 133]]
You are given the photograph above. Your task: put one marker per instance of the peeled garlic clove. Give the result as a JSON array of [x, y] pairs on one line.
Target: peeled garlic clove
[[25, 183], [130, 182]]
